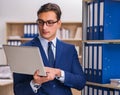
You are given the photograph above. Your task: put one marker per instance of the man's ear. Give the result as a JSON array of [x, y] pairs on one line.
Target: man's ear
[[59, 24]]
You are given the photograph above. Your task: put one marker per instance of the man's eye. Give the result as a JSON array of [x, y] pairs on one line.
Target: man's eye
[[40, 22], [50, 22]]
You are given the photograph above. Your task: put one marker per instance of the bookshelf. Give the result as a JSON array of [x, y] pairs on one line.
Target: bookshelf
[[17, 31], [20, 32], [101, 42]]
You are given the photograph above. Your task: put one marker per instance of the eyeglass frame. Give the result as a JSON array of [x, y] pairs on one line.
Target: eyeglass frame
[[46, 22]]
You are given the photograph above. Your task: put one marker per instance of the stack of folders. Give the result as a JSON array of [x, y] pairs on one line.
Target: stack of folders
[[63, 33], [5, 72], [14, 42], [115, 82], [95, 25], [96, 90], [30, 30], [98, 27], [101, 62], [93, 62]]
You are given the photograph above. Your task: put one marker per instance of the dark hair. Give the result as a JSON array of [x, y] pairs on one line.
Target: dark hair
[[51, 7]]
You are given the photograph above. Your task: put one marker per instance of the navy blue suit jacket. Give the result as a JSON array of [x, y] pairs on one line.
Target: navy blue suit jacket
[[66, 59]]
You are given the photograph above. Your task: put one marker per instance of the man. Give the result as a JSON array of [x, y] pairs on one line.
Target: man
[[61, 62]]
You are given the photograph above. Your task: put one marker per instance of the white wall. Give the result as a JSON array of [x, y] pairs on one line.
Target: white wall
[[25, 11], [2, 57]]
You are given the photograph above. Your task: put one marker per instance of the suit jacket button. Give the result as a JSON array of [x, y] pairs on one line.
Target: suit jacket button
[[54, 86]]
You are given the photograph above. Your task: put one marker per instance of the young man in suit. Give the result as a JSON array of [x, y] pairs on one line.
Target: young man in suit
[[61, 64]]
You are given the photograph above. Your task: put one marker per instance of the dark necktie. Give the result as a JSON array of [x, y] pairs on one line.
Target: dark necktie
[[50, 54]]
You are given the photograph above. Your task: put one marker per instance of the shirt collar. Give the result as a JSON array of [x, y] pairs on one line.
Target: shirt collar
[[43, 40]]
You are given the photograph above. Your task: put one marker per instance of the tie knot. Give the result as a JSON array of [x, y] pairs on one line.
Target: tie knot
[[49, 44]]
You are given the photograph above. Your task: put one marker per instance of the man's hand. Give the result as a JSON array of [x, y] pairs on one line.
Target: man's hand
[[52, 73]]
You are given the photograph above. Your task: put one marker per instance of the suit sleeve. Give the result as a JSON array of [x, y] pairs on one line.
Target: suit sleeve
[[22, 84], [75, 78]]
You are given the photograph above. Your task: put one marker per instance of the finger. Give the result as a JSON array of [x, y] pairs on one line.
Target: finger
[[36, 73]]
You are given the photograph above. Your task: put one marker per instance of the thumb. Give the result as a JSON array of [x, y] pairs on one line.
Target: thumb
[[36, 73]]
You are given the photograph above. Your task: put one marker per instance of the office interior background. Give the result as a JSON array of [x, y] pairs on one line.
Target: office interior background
[[26, 11], [100, 50]]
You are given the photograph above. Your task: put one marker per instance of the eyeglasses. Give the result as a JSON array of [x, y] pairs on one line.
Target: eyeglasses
[[48, 22]]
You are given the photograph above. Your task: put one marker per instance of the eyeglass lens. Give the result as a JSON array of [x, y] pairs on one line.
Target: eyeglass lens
[[48, 22]]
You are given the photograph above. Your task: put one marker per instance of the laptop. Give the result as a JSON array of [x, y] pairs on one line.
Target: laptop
[[24, 59]]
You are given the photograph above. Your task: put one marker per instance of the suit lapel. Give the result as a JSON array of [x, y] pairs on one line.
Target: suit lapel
[[59, 50], [36, 42]]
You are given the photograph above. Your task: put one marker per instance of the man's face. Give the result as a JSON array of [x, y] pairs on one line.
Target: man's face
[[48, 25]]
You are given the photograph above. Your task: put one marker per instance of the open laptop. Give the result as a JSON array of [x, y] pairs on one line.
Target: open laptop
[[24, 59]]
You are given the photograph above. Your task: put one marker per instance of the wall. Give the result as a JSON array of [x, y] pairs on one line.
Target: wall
[[25, 11]]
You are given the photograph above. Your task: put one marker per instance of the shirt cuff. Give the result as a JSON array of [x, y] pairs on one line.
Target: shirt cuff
[[62, 77], [34, 86]]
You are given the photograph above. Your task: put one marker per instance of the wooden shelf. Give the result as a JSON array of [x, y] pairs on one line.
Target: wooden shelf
[[4, 82], [103, 85], [71, 39], [27, 39], [88, 1], [101, 41], [21, 39]]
